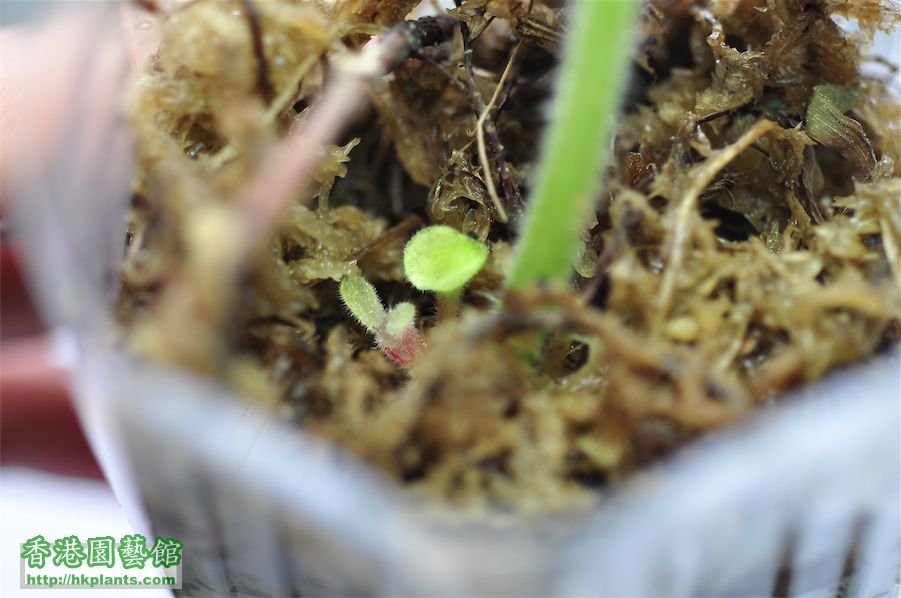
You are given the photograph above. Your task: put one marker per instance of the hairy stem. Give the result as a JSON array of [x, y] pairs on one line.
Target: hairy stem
[[589, 90], [448, 305]]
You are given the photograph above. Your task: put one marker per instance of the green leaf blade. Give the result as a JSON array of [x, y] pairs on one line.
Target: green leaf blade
[[401, 318], [442, 260], [363, 301]]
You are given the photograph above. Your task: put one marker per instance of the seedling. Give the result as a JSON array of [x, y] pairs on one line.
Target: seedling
[[575, 149], [394, 330], [442, 260]]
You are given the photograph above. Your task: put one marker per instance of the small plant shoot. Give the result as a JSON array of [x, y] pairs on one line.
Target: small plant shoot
[[395, 330], [442, 260], [401, 317]]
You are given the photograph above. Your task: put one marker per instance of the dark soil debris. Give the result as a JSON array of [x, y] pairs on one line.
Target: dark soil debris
[[695, 305]]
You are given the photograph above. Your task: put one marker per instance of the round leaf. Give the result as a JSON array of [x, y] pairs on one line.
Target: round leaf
[[442, 260]]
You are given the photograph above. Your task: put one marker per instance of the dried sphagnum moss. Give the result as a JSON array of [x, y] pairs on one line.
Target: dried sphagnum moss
[[691, 305]]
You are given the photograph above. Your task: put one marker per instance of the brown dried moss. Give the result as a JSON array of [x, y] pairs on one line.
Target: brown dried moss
[[748, 240]]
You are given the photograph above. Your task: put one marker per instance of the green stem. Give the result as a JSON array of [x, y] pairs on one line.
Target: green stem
[[448, 305], [596, 58]]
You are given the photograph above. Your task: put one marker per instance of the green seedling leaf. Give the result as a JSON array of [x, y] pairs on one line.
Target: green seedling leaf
[[401, 317], [395, 331], [402, 342], [442, 260], [363, 302]]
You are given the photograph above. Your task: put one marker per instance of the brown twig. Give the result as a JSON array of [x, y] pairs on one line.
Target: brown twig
[[478, 104], [264, 83], [481, 126], [398, 231], [536, 29], [487, 133], [892, 253], [810, 172], [700, 178], [505, 94], [508, 183], [286, 170], [467, 63]]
